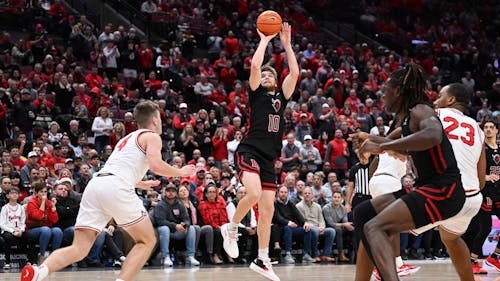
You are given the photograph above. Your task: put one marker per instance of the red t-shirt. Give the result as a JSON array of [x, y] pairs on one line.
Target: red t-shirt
[[231, 46]]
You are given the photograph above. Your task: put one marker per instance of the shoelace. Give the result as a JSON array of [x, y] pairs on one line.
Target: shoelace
[[268, 263], [233, 235]]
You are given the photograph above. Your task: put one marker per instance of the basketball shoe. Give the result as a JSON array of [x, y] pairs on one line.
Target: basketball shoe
[[264, 268], [230, 240], [493, 262], [30, 273], [477, 269], [403, 271]]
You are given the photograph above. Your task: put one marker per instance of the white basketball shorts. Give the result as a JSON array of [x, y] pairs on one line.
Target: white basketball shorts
[[109, 197]]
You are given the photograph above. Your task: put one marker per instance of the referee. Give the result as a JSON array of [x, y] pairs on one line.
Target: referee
[[357, 191]]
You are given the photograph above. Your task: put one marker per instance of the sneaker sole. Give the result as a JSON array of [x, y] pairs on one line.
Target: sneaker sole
[[262, 272], [227, 245], [490, 264], [29, 274]]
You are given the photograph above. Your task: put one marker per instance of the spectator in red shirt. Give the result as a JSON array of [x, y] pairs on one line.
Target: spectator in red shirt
[[129, 123], [231, 44], [337, 153], [353, 100], [57, 162], [16, 159], [42, 101], [218, 97], [310, 25], [239, 91], [221, 62], [220, 141], [183, 118], [93, 79], [228, 75], [206, 69], [213, 212], [41, 215], [146, 56], [57, 11]]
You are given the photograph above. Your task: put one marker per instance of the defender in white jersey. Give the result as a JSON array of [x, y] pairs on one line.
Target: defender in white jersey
[[111, 194], [467, 140]]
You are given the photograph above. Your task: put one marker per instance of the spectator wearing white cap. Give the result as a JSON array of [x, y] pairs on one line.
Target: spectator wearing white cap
[[183, 118], [310, 154], [303, 128], [326, 119], [31, 163]]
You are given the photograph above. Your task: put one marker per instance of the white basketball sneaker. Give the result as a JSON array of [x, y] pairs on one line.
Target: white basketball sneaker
[[264, 268], [230, 240]]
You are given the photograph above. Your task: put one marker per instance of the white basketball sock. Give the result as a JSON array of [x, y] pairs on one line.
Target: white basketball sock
[[399, 262]]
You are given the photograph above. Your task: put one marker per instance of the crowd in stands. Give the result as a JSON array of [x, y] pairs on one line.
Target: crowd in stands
[[65, 106]]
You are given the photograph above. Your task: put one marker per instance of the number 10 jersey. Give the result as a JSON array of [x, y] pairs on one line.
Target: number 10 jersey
[[265, 123]]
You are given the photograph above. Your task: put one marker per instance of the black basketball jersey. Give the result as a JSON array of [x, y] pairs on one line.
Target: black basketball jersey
[[265, 123], [492, 164], [435, 164]]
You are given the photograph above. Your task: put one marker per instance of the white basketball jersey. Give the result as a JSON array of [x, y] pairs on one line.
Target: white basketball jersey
[[128, 160], [390, 165], [467, 140]]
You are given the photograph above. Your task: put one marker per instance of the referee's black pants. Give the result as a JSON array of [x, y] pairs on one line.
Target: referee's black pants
[[356, 200]]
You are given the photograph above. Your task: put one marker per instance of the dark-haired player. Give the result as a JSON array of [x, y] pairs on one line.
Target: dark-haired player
[[491, 200], [467, 140], [439, 194], [262, 144]]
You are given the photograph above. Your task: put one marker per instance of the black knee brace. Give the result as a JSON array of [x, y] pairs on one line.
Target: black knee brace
[[363, 213]]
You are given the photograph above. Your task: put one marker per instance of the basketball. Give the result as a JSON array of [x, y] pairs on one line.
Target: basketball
[[269, 22]]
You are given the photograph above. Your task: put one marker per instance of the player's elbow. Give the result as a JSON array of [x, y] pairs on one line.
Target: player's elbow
[[434, 137]]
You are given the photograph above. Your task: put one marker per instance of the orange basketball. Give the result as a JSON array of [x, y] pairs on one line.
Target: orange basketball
[[269, 22]]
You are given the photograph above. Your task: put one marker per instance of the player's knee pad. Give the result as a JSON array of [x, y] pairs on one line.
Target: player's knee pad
[[362, 214]]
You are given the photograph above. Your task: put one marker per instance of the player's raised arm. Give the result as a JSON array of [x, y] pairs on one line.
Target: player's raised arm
[[157, 165], [257, 59], [290, 81]]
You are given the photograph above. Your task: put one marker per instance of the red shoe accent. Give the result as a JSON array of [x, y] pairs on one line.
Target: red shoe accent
[[491, 261], [28, 273], [409, 269], [375, 274], [477, 269]]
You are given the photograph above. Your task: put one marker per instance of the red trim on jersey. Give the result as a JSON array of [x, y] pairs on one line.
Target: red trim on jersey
[[428, 211], [270, 188], [136, 221], [441, 157], [486, 208], [453, 186], [137, 140], [269, 185], [87, 228], [249, 119], [243, 165], [434, 161], [435, 209]]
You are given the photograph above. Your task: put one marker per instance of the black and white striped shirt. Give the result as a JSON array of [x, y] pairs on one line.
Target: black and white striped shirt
[[360, 176]]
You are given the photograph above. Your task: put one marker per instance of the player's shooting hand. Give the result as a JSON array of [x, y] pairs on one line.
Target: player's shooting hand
[[188, 170], [147, 185], [264, 37], [286, 34]]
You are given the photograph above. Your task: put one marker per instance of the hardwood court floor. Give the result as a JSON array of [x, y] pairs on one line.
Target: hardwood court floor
[[442, 271]]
